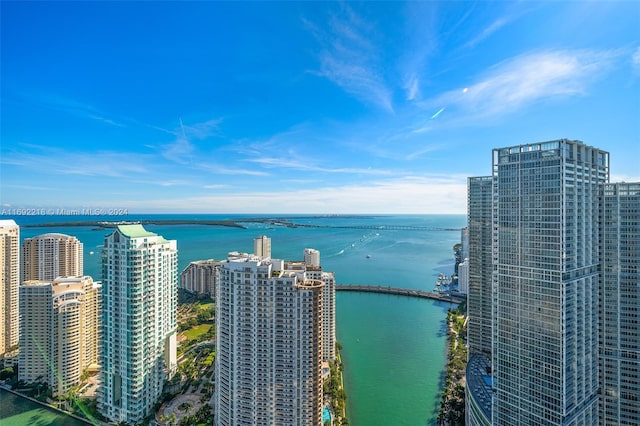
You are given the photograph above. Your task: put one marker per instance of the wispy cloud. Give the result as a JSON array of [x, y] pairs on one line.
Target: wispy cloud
[[72, 107], [413, 87], [60, 161], [289, 163], [487, 31], [531, 77], [32, 187], [233, 171], [635, 59], [350, 59], [181, 150]]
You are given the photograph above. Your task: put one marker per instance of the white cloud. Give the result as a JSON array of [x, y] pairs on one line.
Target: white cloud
[[350, 60], [635, 59], [492, 28], [290, 163], [179, 151], [413, 88], [409, 195], [522, 80], [100, 163], [182, 149], [614, 178]]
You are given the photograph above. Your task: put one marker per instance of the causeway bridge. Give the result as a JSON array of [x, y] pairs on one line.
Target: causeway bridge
[[399, 292], [370, 227]]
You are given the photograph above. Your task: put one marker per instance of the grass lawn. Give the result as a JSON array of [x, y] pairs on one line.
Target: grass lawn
[[205, 306], [195, 332]]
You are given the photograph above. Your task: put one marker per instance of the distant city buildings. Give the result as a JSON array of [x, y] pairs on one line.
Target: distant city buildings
[[58, 331], [463, 277], [201, 277], [269, 340], [9, 283], [553, 255], [262, 246], [139, 322], [52, 255], [480, 258]]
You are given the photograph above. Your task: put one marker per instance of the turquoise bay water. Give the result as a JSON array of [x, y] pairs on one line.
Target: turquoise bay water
[[393, 346]]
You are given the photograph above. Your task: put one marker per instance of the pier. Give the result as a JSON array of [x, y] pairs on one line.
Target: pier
[[399, 292]]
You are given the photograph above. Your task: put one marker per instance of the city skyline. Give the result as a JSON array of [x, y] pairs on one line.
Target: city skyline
[[224, 107]]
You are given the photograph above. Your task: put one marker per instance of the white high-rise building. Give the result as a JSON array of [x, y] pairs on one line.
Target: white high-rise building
[[58, 331], [52, 255], [9, 283], [139, 322], [311, 257], [262, 246], [268, 343]]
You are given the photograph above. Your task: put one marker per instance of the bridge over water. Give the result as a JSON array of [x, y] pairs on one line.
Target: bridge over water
[[399, 292]]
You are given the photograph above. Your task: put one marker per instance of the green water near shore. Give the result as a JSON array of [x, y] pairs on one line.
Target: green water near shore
[[393, 346]]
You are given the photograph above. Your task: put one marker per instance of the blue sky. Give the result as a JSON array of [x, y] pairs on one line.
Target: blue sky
[[302, 107]]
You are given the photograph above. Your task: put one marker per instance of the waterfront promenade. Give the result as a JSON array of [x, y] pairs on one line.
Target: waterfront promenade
[[399, 292]]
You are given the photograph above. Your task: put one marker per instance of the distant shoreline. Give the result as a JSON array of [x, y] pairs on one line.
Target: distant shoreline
[[114, 224], [231, 223]]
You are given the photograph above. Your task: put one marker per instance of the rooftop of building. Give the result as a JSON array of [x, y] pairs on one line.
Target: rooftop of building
[[52, 235], [206, 262], [135, 231], [479, 382], [8, 223], [34, 283]]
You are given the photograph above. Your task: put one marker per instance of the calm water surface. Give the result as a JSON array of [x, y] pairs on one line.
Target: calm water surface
[[393, 346]]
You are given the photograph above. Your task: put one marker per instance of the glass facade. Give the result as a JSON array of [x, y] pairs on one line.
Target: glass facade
[[620, 305], [546, 224], [479, 296]]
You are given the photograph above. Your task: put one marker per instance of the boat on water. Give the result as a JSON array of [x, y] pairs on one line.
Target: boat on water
[[368, 256], [442, 284]]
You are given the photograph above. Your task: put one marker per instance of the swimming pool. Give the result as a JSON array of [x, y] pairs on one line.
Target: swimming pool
[[326, 414]]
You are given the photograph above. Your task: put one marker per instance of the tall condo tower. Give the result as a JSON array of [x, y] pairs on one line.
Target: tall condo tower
[[201, 276], [49, 256], [480, 237], [315, 272], [262, 246], [545, 213], [9, 282], [268, 343], [138, 351], [620, 305], [58, 331]]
